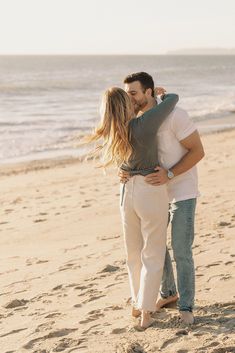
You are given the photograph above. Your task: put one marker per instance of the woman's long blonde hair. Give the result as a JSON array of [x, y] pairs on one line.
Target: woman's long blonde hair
[[116, 113]]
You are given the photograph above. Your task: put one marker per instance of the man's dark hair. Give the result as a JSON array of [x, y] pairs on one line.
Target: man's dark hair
[[145, 80]]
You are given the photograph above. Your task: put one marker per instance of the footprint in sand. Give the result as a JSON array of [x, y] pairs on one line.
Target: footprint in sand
[[44, 327], [53, 334], [195, 246], [16, 201], [117, 331], [60, 286], [69, 267], [120, 276], [90, 292], [92, 316], [82, 287], [133, 347], [34, 261], [120, 262], [93, 297], [41, 262], [89, 329], [13, 332], [16, 303], [212, 277], [113, 307], [217, 263], [109, 269], [224, 251], [229, 263], [21, 291], [170, 342], [205, 235], [108, 238], [97, 313], [52, 315], [38, 220], [201, 252], [67, 343], [8, 210], [112, 285], [224, 224], [224, 350], [225, 277], [199, 334], [76, 247], [90, 256]]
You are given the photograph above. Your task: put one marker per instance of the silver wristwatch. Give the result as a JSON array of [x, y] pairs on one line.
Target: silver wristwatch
[[170, 174]]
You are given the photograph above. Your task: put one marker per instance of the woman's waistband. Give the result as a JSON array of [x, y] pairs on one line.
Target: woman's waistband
[[143, 172]]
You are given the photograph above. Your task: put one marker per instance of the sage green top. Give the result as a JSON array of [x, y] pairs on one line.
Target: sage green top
[[143, 131]]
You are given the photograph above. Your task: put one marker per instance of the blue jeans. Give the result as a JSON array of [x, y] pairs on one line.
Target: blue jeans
[[181, 214]]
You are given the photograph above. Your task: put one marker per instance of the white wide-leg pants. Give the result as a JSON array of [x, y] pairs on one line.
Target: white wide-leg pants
[[144, 213]]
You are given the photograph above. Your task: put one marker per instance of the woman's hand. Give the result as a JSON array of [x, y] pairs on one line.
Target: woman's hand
[[123, 176], [159, 91]]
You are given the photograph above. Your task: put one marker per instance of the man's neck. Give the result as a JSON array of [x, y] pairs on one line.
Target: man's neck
[[152, 102]]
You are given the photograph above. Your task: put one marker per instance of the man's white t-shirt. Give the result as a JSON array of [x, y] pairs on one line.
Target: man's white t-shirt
[[175, 128]]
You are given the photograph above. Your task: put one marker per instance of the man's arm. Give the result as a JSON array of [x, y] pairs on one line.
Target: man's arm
[[195, 153]]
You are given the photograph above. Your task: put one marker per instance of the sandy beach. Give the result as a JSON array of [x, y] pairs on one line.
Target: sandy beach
[[64, 285]]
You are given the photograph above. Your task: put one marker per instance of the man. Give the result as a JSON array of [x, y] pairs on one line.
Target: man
[[180, 149]]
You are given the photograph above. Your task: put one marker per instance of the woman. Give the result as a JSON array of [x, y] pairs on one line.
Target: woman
[[131, 144]]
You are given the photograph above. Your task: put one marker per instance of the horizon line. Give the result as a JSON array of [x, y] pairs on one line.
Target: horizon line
[[125, 54]]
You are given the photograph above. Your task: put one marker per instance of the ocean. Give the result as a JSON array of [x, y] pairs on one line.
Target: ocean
[[47, 102]]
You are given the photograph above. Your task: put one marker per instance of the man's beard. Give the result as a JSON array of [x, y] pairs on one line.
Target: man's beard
[[137, 108], [140, 106]]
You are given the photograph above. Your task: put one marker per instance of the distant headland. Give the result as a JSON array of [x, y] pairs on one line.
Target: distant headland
[[202, 51]]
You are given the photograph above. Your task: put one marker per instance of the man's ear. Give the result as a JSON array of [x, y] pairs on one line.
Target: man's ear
[[148, 92]]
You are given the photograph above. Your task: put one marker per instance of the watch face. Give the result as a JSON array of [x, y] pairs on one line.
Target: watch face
[[170, 174]]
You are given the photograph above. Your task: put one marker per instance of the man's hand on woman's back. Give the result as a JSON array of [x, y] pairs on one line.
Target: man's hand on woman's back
[[158, 178]]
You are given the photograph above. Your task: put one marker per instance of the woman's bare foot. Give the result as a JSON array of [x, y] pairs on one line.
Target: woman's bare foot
[[161, 302], [135, 312], [146, 320]]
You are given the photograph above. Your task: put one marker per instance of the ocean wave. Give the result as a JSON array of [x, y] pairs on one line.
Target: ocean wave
[[219, 115], [47, 102]]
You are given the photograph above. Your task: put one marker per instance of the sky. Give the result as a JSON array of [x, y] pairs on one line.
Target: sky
[[114, 27]]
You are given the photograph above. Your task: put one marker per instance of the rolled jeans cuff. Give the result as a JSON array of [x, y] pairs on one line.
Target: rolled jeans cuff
[[170, 293]]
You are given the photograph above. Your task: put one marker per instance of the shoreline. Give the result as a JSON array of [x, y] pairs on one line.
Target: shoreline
[[15, 167]]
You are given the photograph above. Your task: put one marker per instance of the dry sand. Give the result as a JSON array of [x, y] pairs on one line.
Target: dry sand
[[64, 285]]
